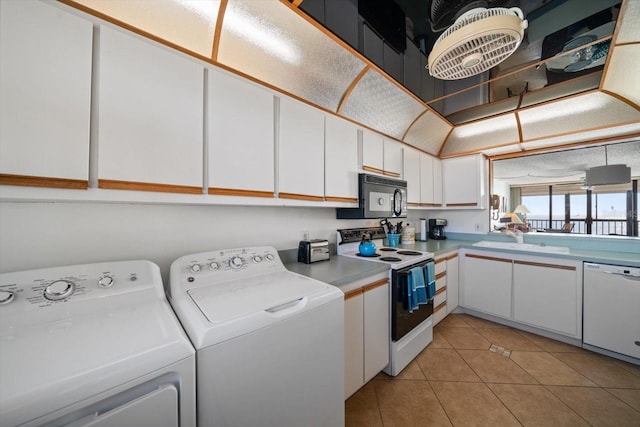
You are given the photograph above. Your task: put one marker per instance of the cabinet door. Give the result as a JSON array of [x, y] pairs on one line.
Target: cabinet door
[[452, 283], [392, 158], [372, 152], [462, 182], [150, 107], [411, 170], [376, 328], [547, 295], [436, 165], [240, 136], [487, 284], [353, 341], [341, 160], [45, 82], [301, 151]]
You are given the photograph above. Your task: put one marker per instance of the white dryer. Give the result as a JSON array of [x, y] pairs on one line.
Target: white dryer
[[93, 345], [269, 342]]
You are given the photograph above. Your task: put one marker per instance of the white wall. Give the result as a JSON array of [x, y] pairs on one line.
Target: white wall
[[38, 235], [458, 221]]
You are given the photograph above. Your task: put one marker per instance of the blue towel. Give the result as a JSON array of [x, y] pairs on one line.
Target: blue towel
[[429, 272], [416, 290]]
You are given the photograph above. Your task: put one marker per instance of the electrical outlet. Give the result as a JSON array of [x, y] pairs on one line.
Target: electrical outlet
[[305, 235], [478, 227]]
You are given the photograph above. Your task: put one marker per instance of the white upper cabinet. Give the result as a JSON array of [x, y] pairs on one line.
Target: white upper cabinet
[[341, 160], [372, 152], [411, 171], [150, 106], [430, 181], [45, 87], [392, 158], [300, 151], [463, 182], [240, 136], [381, 155]]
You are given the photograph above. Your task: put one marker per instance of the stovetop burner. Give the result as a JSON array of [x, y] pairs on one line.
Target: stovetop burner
[[388, 250], [390, 259], [409, 253], [368, 256]]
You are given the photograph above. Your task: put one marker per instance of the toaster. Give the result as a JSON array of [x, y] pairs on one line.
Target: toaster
[[313, 250]]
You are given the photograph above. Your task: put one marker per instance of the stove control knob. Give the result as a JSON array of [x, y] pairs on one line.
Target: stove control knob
[[381, 201], [195, 268], [235, 262], [213, 266], [257, 258], [270, 257], [60, 289], [6, 297], [106, 281]]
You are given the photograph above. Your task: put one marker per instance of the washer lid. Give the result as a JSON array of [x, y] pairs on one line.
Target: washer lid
[[270, 293]]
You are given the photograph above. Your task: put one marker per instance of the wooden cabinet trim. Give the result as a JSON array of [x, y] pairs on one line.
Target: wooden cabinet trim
[[390, 173], [441, 275], [490, 258], [452, 256], [301, 197], [376, 284], [440, 306], [431, 205], [353, 293], [38, 181], [461, 204], [545, 265], [341, 199], [441, 290], [147, 186], [372, 169], [233, 192]]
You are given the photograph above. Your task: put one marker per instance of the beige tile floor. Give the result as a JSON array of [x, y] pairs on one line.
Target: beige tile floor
[[479, 373]]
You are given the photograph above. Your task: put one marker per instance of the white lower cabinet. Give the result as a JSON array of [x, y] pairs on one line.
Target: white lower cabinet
[[538, 291], [446, 298], [487, 284], [547, 293], [366, 335], [452, 282]]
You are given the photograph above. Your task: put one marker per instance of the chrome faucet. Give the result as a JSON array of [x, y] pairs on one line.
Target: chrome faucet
[[516, 234]]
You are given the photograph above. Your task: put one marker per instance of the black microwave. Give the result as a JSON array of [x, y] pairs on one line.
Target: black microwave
[[378, 197]]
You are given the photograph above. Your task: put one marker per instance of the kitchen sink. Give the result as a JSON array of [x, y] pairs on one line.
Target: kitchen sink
[[530, 247]]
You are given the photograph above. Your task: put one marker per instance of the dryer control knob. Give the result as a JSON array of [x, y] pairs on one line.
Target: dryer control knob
[[235, 262], [270, 257], [257, 258], [60, 289], [213, 266], [6, 297], [106, 281], [195, 268]]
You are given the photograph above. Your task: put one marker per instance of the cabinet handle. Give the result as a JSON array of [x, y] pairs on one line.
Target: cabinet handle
[[487, 258], [376, 284], [440, 306], [353, 293], [441, 290], [441, 275], [542, 264]]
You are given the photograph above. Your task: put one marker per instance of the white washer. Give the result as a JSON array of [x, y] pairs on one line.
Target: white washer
[[269, 342], [93, 345]]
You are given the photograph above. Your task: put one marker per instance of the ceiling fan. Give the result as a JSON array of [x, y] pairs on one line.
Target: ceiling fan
[[481, 36]]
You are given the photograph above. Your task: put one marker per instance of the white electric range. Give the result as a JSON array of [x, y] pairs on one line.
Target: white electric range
[[411, 329]]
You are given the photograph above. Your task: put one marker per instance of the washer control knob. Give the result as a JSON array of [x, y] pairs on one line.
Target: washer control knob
[[235, 262], [106, 281], [60, 289], [213, 266], [195, 268], [270, 257], [6, 297], [257, 258]]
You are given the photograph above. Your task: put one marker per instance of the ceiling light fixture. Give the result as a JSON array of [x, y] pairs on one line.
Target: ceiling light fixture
[[608, 174], [477, 41]]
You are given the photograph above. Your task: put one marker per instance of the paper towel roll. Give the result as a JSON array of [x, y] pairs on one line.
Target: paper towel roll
[[423, 229]]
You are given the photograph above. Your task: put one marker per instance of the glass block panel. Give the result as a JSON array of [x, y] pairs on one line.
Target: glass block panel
[[270, 42], [580, 113], [428, 133], [617, 131], [186, 23], [380, 104], [629, 27], [489, 133]]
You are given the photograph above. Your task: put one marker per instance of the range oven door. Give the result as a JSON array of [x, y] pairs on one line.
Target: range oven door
[[402, 321]]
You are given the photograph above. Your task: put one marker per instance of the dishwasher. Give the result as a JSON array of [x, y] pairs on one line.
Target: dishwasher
[[611, 316]]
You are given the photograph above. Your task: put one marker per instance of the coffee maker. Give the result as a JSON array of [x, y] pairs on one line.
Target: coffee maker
[[436, 228]]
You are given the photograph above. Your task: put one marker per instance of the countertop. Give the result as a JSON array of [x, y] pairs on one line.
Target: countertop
[[340, 270]]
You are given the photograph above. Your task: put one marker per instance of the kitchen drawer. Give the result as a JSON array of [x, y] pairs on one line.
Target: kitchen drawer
[[441, 282], [441, 296], [441, 266], [439, 314]]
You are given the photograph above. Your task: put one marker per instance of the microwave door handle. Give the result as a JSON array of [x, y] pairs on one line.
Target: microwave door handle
[[397, 202]]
